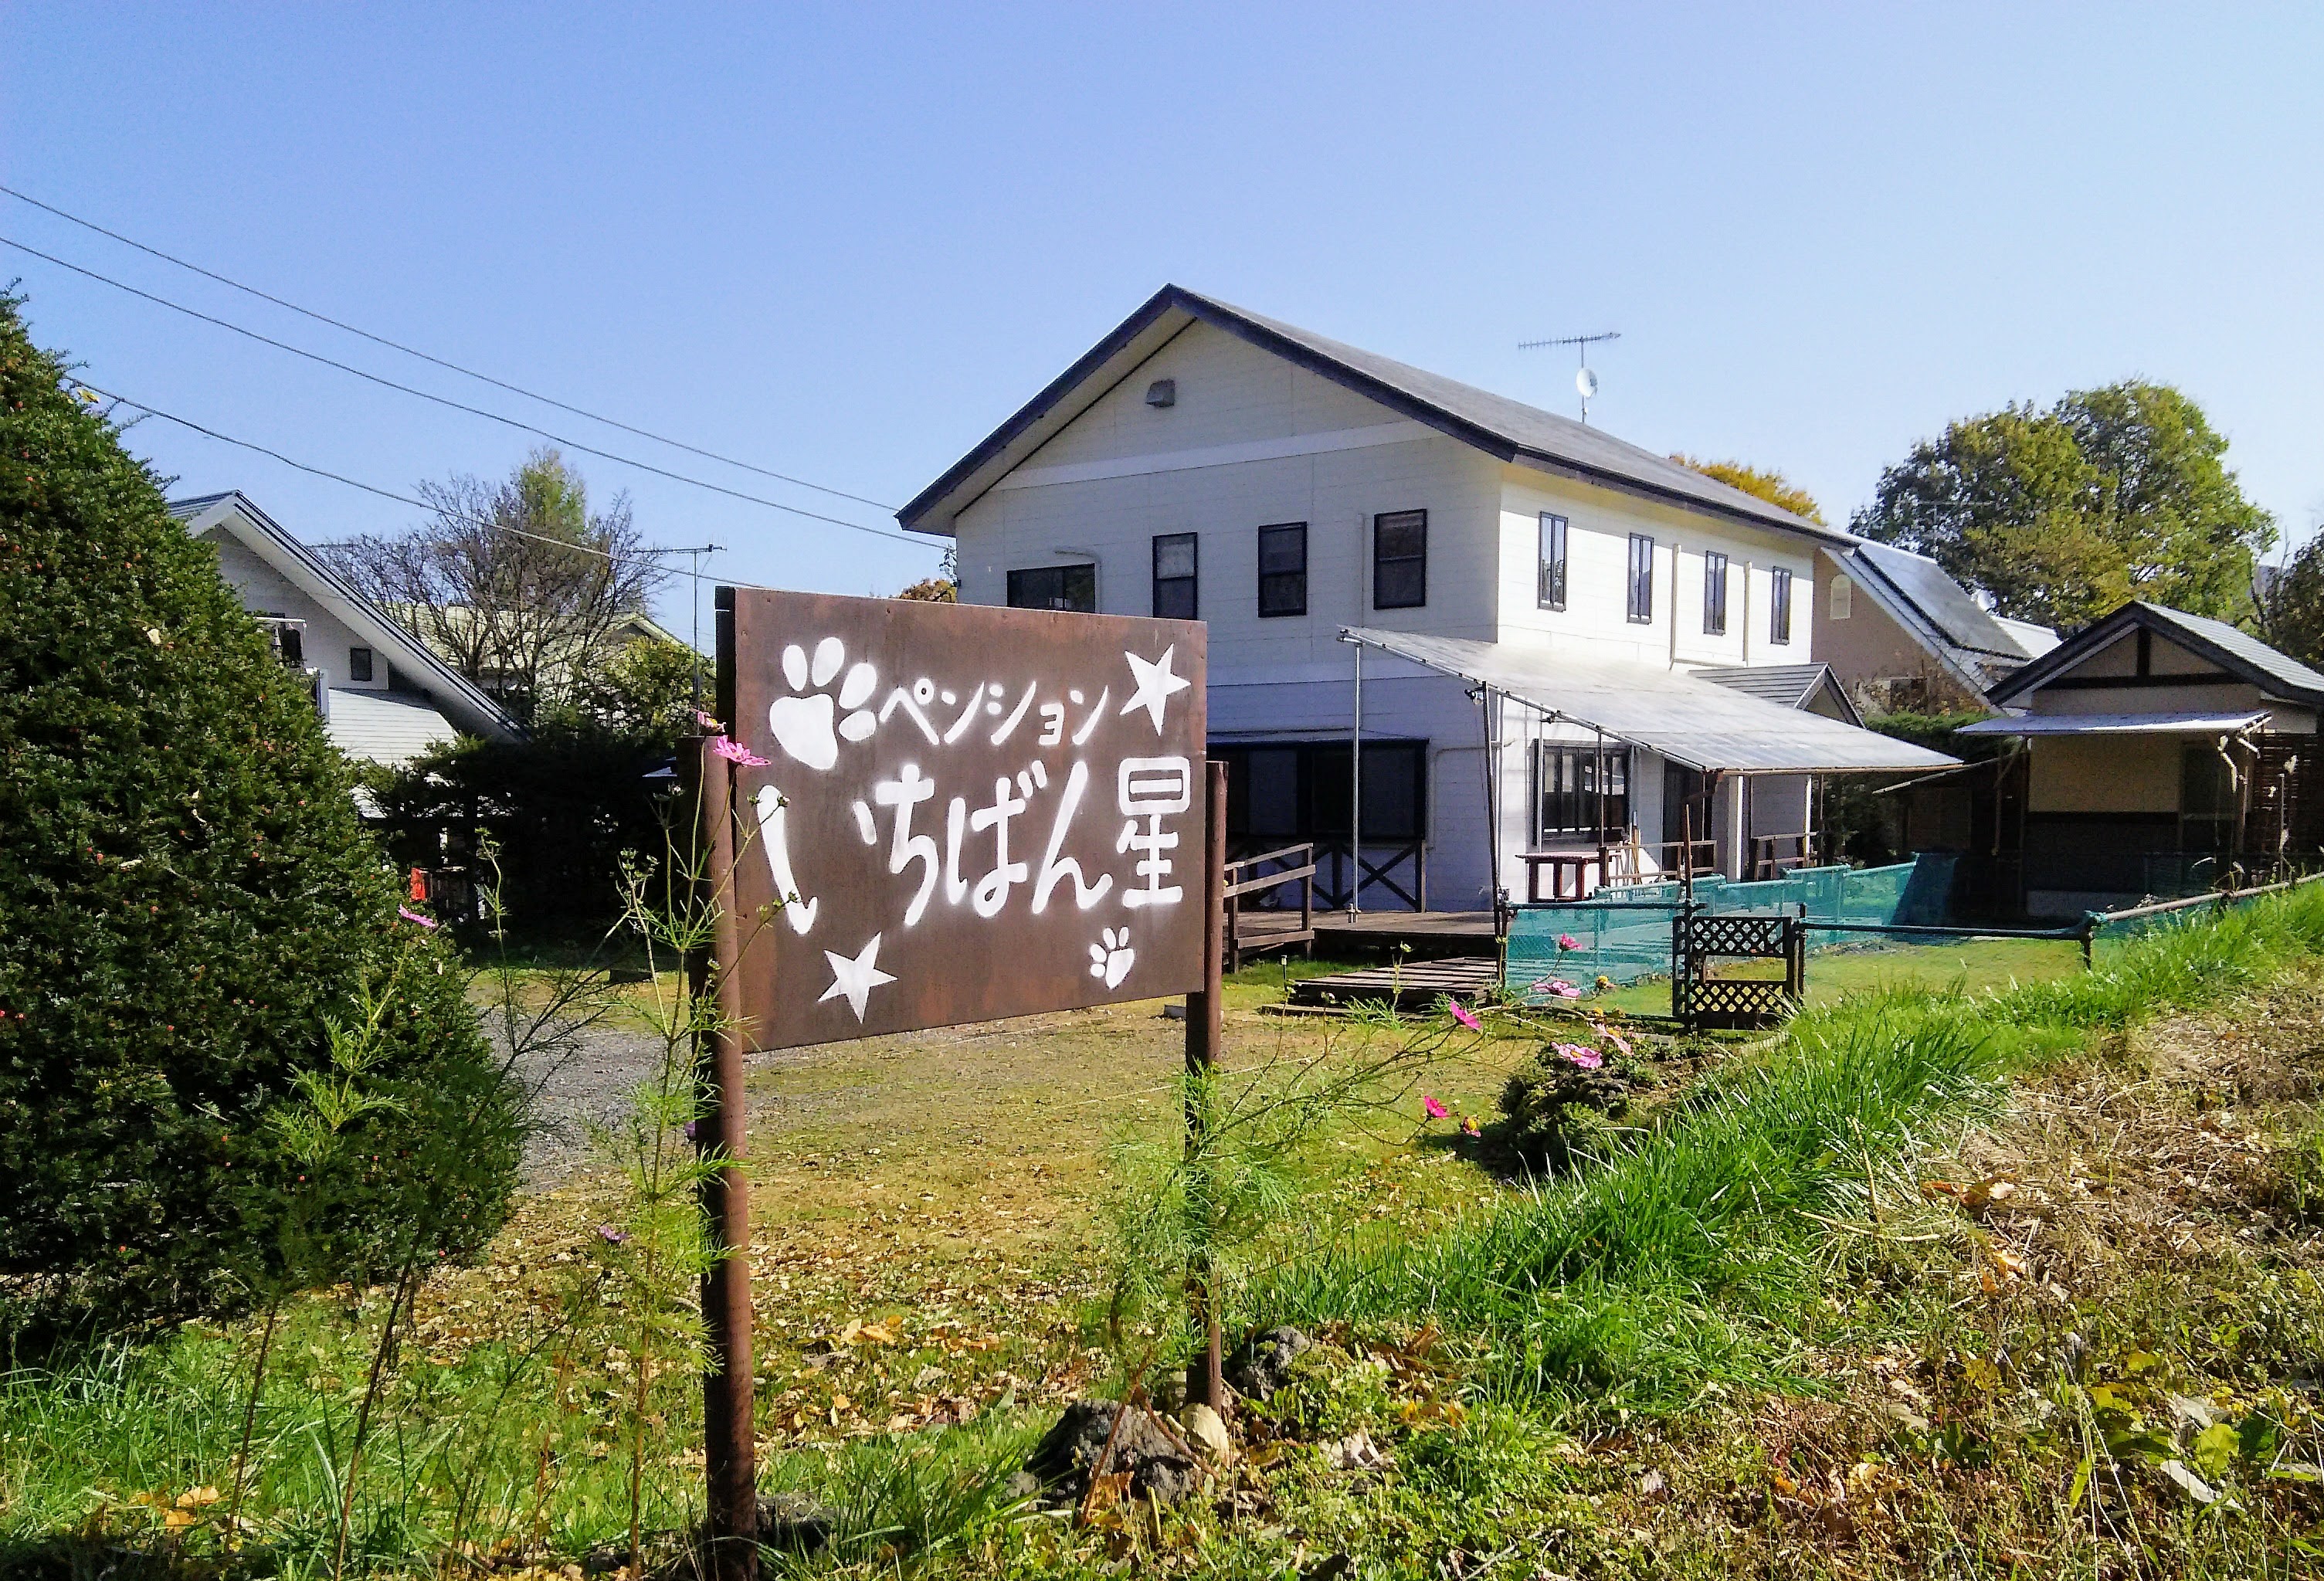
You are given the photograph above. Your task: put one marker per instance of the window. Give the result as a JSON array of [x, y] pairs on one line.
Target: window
[[1714, 594], [1779, 606], [2206, 800], [1567, 781], [1279, 793], [1283, 568], [1843, 595], [1174, 576], [1071, 587], [1552, 591], [1400, 559], [1642, 579], [358, 663]]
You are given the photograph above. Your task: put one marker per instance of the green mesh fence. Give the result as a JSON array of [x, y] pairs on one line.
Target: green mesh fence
[[1625, 938]]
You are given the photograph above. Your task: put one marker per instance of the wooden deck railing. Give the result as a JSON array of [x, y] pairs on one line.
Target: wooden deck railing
[[1247, 875]]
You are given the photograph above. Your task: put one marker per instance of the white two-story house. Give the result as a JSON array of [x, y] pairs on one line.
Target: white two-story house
[[1476, 631]]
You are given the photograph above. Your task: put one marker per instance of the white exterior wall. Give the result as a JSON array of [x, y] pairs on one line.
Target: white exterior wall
[[325, 642], [1254, 440], [1599, 524]]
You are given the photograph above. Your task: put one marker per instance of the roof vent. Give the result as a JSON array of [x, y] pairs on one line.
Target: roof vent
[[1162, 392]]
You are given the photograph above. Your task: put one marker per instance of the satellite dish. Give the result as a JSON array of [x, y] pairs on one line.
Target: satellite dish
[[1587, 383]]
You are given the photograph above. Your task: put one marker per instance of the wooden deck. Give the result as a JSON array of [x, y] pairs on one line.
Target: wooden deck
[[1413, 985], [1426, 935]]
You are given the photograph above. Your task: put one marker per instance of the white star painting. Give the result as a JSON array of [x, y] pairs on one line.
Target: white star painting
[[1155, 684], [854, 980]]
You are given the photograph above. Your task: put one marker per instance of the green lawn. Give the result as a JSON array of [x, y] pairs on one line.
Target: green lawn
[[1973, 964]]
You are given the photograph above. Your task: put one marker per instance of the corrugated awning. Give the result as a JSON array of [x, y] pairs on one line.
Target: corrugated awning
[[2212, 724], [1692, 722]]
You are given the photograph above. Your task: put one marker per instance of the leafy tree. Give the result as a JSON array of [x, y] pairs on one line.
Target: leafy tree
[[2064, 514], [931, 590], [188, 905], [1765, 483], [648, 686], [519, 585], [2291, 603]]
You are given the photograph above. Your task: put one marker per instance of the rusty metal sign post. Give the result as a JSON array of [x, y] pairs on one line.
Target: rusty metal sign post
[[960, 813]]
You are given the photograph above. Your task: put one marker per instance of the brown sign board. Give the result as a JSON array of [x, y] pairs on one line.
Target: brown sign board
[[966, 812]]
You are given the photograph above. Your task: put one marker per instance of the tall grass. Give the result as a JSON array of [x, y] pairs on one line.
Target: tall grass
[[1685, 1257]]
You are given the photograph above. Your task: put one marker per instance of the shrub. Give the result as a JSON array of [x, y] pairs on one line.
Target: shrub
[[185, 897]]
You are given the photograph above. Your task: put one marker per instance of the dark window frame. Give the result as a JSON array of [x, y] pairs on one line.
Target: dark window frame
[[1714, 593], [1318, 791], [1282, 592], [1021, 584], [1553, 546], [1565, 776], [360, 664], [1642, 579], [1779, 606], [1190, 580], [1415, 597]]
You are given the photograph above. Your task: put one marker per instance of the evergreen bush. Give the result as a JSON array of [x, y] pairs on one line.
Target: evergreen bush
[[187, 899]]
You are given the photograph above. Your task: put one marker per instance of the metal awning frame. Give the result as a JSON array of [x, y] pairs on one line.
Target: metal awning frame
[[1480, 688]]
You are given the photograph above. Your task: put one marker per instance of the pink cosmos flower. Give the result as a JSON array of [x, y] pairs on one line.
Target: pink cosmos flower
[[1464, 1017], [1559, 987], [409, 915], [1588, 1059], [734, 752], [1432, 1109], [707, 723], [1468, 1126], [1613, 1036], [611, 1236], [1567, 942]]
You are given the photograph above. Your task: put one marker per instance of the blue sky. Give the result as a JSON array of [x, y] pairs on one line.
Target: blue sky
[[844, 241]]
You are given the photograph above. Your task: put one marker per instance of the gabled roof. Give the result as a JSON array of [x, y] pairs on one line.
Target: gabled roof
[[2239, 653], [458, 699], [1507, 430], [1974, 645], [1681, 717], [1790, 685]]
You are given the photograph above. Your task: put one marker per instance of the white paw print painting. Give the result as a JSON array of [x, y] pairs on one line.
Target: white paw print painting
[[1111, 957], [803, 727]]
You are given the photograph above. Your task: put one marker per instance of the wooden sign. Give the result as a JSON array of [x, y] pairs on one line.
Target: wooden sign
[[964, 812]]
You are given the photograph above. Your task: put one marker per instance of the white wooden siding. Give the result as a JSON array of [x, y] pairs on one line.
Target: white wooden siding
[[325, 643]]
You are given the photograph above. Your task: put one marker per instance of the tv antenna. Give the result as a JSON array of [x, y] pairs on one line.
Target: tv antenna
[[1584, 380]]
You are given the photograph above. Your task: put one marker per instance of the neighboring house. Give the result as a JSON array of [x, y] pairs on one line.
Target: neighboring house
[[557, 668], [2164, 749], [1537, 597], [383, 697], [1902, 635]]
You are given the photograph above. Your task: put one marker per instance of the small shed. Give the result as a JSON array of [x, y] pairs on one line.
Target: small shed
[[2167, 753]]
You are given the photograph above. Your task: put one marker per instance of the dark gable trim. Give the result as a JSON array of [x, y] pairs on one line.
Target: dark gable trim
[[2050, 667], [2119, 683], [1172, 299], [1052, 394]]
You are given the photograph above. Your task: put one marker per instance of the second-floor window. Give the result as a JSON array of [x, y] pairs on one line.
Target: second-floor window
[[1642, 579], [1174, 576], [1714, 594], [1779, 606], [1071, 587], [1400, 559], [358, 663], [1283, 568], [1552, 591]]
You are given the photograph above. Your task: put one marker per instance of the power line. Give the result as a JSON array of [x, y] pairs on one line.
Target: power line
[[439, 361], [387, 494], [446, 401]]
